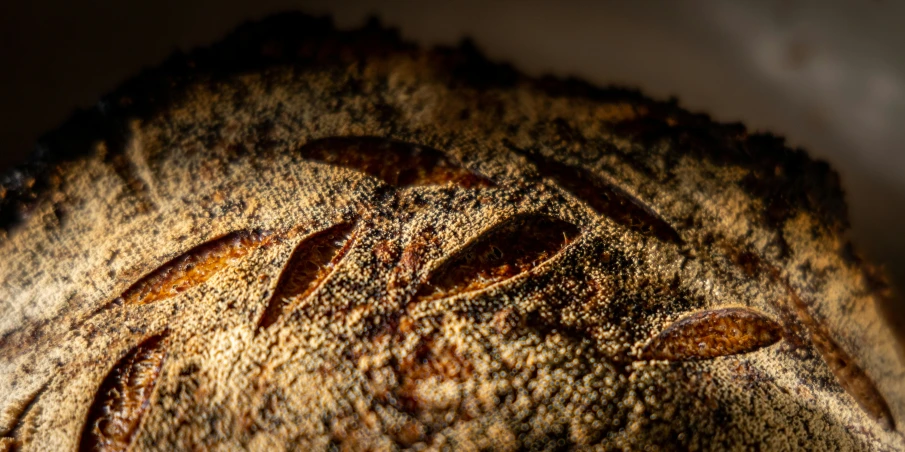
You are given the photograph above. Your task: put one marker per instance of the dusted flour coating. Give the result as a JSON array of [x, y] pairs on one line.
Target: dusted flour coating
[[301, 238]]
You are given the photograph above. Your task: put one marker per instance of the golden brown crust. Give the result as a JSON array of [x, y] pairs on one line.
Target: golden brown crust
[[122, 398], [182, 207]]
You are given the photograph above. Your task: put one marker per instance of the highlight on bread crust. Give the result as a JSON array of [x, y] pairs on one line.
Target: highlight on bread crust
[[456, 256], [190, 269]]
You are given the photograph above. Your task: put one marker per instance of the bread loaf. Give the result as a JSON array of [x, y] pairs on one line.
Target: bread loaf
[[307, 239]]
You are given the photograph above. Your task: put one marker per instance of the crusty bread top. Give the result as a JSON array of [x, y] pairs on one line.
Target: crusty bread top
[[305, 237]]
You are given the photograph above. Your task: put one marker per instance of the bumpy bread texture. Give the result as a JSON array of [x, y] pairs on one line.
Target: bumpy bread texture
[[309, 239]]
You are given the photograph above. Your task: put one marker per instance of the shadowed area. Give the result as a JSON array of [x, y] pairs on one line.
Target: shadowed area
[[605, 198], [394, 162]]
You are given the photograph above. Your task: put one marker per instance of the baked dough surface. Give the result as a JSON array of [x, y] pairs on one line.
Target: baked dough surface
[[308, 239]]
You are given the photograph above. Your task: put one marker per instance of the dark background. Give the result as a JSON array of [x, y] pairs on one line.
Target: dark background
[[828, 75]]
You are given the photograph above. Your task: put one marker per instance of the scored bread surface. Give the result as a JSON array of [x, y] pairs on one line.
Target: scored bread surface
[[301, 238]]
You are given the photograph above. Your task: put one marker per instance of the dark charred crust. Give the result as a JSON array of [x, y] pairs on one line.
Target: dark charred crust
[[304, 42], [747, 261], [293, 39], [469, 67], [786, 180], [311, 262], [396, 163], [123, 397]]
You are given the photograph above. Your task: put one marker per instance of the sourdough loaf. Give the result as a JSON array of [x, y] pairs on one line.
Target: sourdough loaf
[[301, 238]]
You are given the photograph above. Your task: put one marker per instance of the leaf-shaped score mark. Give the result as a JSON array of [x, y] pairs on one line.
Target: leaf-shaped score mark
[[851, 377], [710, 334], [124, 397], [394, 162], [18, 436], [503, 253], [605, 198], [191, 268], [311, 262]]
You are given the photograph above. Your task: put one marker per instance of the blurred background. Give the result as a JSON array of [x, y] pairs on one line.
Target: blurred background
[[827, 75]]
